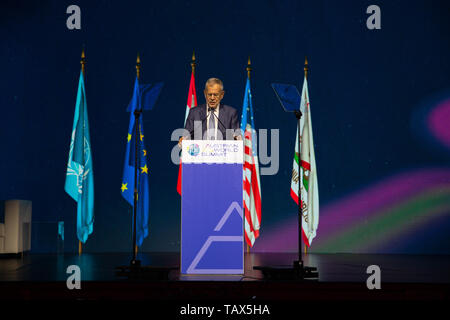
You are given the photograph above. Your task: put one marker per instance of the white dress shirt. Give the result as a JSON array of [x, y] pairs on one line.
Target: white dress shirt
[[216, 119]]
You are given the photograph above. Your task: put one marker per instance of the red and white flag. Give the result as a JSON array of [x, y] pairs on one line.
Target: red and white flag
[[191, 103]]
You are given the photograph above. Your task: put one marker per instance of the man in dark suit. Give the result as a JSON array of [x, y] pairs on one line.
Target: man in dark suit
[[213, 120]]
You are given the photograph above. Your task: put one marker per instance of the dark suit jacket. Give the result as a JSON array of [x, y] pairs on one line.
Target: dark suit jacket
[[228, 117]]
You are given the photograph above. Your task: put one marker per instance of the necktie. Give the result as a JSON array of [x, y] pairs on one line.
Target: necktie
[[212, 125]]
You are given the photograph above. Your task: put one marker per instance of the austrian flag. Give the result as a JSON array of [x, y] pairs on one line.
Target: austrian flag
[[191, 103]]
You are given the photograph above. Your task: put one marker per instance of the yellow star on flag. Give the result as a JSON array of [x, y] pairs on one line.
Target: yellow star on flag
[[142, 136], [129, 137], [144, 169], [124, 187], [145, 152]]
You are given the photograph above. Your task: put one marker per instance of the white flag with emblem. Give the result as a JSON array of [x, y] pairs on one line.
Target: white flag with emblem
[[308, 172]]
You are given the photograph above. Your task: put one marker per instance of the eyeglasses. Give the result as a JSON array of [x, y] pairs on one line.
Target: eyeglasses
[[215, 95]]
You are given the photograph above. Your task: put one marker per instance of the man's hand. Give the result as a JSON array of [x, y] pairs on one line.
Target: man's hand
[[183, 138]]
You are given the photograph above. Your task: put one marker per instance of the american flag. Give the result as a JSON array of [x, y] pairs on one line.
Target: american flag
[[191, 103], [252, 185]]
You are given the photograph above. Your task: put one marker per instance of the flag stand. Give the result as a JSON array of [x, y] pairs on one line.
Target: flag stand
[[135, 271], [298, 271], [82, 62], [134, 262]]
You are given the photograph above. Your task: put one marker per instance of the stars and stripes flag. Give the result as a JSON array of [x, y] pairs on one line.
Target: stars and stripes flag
[[308, 173], [191, 103], [252, 184]]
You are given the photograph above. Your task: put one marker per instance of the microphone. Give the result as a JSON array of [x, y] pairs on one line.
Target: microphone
[[212, 111], [191, 132]]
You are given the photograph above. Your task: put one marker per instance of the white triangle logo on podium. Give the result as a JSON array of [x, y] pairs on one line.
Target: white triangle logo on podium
[[193, 267]]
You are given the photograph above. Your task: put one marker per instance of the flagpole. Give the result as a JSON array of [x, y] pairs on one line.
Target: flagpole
[[299, 264], [300, 202], [137, 112], [298, 271], [298, 115], [82, 62], [135, 270], [249, 69], [305, 69]]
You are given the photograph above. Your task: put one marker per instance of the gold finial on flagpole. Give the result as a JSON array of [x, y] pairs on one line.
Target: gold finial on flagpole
[[249, 67], [193, 63], [138, 66], [306, 67], [83, 60]]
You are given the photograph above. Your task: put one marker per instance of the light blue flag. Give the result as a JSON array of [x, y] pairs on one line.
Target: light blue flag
[[143, 170], [80, 176]]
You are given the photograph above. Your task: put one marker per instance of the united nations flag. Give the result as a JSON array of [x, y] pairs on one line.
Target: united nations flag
[[80, 176]]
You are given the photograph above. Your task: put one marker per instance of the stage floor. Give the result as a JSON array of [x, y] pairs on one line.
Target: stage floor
[[341, 276], [331, 267]]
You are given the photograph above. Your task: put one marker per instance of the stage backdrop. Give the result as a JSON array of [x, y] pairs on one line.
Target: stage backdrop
[[380, 103]]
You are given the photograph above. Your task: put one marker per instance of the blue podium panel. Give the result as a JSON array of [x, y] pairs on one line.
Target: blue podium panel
[[211, 208]]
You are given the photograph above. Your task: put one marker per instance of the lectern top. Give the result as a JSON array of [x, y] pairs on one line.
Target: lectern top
[[212, 151]]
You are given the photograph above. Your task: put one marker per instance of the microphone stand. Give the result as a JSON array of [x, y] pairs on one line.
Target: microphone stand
[[211, 110], [203, 120], [191, 132]]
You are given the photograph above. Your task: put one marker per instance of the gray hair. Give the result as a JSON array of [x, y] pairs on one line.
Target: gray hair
[[212, 81]]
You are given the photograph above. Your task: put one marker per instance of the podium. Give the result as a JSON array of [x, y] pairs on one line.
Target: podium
[[212, 224]]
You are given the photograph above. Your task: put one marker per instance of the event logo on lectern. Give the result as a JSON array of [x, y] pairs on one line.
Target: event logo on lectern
[[194, 149], [219, 149]]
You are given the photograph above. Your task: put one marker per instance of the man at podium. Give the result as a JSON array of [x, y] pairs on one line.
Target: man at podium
[[212, 240], [213, 120]]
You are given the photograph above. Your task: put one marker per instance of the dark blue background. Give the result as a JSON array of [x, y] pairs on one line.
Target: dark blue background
[[363, 86]]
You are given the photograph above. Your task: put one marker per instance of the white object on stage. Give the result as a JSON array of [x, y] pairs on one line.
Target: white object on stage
[[15, 232]]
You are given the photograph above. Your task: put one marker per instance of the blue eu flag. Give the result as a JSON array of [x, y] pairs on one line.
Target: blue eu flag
[[128, 182]]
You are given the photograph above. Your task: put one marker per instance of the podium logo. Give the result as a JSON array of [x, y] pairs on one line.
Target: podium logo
[[270, 161], [219, 149], [192, 269], [194, 149]]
